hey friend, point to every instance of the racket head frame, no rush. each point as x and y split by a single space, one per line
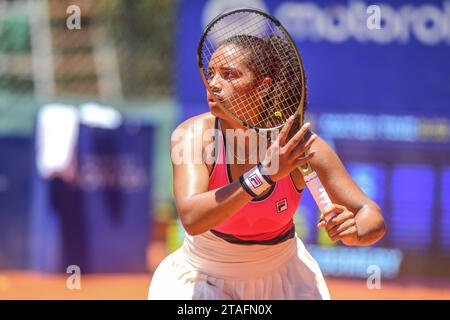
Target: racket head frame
299 111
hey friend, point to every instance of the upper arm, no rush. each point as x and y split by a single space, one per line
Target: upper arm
338 183
190 173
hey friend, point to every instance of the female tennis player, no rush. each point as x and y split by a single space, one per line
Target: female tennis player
238 215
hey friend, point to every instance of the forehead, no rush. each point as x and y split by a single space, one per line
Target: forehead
229 55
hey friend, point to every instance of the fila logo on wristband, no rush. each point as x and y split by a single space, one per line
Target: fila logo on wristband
254 182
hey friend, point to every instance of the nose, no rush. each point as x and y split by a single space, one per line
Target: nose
215 84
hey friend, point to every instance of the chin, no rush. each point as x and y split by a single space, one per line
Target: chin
217 112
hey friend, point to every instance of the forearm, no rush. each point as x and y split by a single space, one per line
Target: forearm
370 225
201 212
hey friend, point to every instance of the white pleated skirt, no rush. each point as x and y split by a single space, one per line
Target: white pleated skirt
207 267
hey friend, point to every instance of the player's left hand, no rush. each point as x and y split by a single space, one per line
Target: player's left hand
342 226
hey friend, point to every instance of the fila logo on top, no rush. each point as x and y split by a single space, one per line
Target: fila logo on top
281 205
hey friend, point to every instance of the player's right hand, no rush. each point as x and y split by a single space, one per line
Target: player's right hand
284 155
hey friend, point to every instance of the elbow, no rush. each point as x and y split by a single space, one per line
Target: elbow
376 235
373 236
381 230
190 224
381 226
373 227
191 229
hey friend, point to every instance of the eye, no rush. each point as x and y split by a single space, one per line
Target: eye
226 75
229 75
210 75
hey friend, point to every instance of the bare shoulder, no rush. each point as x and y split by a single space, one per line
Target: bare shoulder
197 124
190 138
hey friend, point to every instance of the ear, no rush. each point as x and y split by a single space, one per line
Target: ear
263 88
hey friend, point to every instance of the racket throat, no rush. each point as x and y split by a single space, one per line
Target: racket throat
306 169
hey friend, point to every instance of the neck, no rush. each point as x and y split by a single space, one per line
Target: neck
241 148
229 124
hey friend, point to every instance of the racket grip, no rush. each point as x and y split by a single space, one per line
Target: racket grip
319 193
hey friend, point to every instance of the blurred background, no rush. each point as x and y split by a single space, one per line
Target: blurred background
90 92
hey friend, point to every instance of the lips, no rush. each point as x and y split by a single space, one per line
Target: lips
212 101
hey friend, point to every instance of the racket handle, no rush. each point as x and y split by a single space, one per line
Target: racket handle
318 192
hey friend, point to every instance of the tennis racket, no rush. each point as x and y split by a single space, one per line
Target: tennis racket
272 57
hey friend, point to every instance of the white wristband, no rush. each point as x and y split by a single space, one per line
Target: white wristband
254 182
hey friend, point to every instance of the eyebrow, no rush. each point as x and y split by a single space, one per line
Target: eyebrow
227 69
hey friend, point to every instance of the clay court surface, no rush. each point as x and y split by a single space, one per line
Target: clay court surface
26 285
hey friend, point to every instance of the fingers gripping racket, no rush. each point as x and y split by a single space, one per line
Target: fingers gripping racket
252 39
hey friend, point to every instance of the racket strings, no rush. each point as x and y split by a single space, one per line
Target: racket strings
248 114
272 56
265 66
288 86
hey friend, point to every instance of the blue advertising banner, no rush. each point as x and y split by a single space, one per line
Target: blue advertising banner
15 172
402 68
100 221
